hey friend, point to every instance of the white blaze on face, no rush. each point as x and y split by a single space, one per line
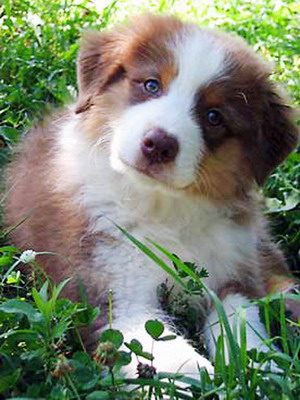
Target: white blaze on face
199 59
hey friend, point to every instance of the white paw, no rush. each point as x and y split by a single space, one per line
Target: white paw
171 356
175 356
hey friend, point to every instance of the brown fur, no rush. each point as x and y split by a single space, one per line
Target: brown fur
103 56
223 174
257 119
54 223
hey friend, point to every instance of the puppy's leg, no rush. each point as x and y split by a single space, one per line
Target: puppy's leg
169 356
256 333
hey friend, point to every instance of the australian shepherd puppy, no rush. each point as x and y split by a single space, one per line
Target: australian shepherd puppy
174 128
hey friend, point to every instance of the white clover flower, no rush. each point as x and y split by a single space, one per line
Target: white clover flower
27 256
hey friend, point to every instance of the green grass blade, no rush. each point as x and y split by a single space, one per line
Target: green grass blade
146 250
179 263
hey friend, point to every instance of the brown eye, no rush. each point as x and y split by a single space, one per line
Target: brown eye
152 86
214 117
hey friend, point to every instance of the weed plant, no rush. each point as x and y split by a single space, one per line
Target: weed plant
42 354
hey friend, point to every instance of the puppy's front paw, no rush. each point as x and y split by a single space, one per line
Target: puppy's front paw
175 356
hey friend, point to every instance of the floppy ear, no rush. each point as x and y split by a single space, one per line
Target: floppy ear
278 135
98 65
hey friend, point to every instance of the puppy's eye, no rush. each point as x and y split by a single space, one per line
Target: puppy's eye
152 86
214 117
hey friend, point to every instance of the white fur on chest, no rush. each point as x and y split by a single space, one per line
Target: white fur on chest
193 229
215 244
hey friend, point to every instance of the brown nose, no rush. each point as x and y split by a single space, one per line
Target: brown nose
159 147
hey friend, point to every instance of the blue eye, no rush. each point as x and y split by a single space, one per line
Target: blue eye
152 86
214 117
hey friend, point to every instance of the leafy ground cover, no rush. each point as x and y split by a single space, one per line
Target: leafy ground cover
41 354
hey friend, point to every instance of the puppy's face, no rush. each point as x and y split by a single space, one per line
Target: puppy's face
187 108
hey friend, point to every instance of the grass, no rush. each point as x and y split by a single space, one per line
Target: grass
41 353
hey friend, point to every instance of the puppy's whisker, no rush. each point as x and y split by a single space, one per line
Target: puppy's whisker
202 181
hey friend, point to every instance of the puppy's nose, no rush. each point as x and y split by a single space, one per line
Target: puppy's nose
159 147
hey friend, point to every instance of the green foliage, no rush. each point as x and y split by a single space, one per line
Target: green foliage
42 354
137 348
155 329
39 43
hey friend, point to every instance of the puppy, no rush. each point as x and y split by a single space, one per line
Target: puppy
173 129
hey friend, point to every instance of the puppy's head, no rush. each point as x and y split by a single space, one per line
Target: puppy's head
183 107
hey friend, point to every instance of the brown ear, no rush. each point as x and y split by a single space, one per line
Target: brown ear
98 65
278 135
